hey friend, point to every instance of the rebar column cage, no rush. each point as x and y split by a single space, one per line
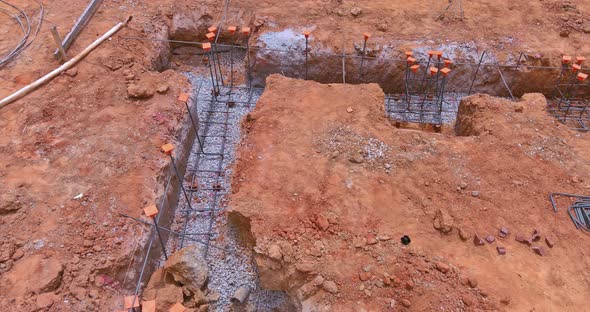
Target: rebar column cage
570 97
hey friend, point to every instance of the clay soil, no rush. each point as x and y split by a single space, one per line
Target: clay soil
327 186
82 133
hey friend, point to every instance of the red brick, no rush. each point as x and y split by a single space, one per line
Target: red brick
501 250
477 240
549 242
490 239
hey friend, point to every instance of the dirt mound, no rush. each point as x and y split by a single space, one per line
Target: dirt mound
328 186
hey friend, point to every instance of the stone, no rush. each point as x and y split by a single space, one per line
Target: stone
503 232
463 185
467 301
18 254
213 296
305 267
357 158
162 89
548 241
45 300
139 91
536 236
475 193
463 235
72 72
442 267
519 108
188 267
490 239
9 203
409 285
364 276
356 11
318 280
564 33
472 282
78 292
330 287
349 110
501 250
34 274
382 27
539 250
371 239
406 303
190 25
274 252
477 240
443 221
322 223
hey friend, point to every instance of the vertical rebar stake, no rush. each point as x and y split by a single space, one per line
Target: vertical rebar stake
160 237
366 37
306 34
476 71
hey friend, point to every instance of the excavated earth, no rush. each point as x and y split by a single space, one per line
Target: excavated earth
96 131
325 186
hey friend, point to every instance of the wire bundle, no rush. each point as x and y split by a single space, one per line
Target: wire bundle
24 22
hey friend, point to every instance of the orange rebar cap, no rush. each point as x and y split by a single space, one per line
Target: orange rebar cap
183 97
566 59
366 36
411 60
580 59
210 36
206 46
148 306
212 29
409 53
438 54
167 148
246 30
177 307
448 63
150 210
414 68
445 71
582 76
433 70
431 53
576 67
306 33
131 302
232 29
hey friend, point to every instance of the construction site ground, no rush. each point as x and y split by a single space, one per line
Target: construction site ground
83 148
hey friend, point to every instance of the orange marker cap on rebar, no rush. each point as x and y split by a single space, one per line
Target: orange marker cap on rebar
212 29
438 54
576 67
582 76
131 302
431 53
414 68
183 97
445 71
246 30
448 63
210 36
411 60
433 70
177 307
148 306
409 53
167 148
566 59
206 46
150 210
232 29
306 33
366 36
580 59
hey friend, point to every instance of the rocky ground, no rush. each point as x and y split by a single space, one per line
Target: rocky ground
327 187
96 130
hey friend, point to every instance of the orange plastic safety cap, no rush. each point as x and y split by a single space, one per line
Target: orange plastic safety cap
150 210
580 59
448 62
177 307
366 36
131 302
414 68
431 53
210 36
409 53
411 60
183 97
232 29
438 53
433 70
566 59
148 306
582 76
206 46
246 30
212 29
445 71
167 148
306 33
576 67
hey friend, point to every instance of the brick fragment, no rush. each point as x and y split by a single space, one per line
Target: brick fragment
501 250
549 242
477 240
539 250
490 239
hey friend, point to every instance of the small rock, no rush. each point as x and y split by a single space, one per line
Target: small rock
139 91
505 300
349 110
357 158
463 235
382 27
519 108
501 250
188 267
356 11
490 239
409 285
364 276
318 280
383 238
467 301
78 292
45 300
463 185
162 89
213 296
322 222
472 282
539 250
443 221
475 193
564 33
305 267
359 242
335 154
18 254
371 239
330 287
503 232
442 267
536 236
72 72
93 294
406 303
477 240
274 252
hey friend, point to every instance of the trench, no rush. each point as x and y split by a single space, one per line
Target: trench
231 265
